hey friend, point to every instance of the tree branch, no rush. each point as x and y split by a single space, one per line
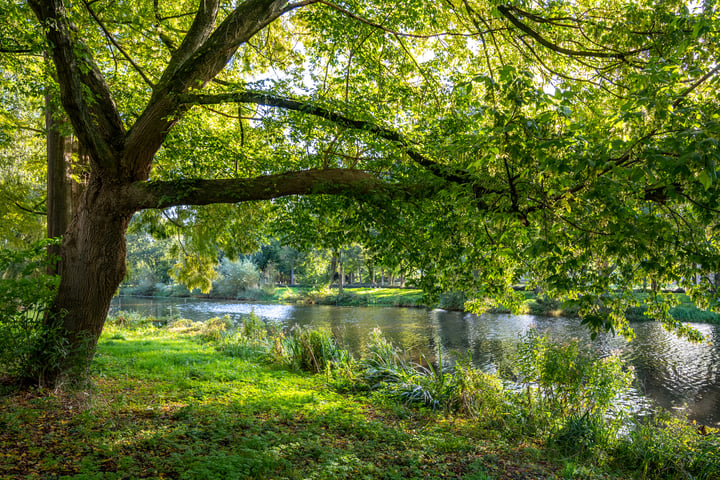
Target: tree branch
260 98
505 11
163 194
112 40
695 85
199 32
201 58
32 209
96 122
354 16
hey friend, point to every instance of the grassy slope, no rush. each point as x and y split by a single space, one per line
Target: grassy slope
165 406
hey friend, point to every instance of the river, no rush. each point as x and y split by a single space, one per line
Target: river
671 372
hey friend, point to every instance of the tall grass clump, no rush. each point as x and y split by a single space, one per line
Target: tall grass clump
310 350
383 363
429 384
478 394
666 447
133 321
249 339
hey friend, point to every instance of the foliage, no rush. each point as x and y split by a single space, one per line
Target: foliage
667 447
132 321
478 394
250 339
566 380
169 403
581 435
382 362
235 277
476 142
31 341
453 300
312 351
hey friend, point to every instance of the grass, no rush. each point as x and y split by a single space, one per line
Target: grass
384 297
166 405
180 402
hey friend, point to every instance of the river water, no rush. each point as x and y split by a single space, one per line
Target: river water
671 372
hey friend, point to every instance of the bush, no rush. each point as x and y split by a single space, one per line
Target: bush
31 341
569 380
215 328
452 301
477 394
234 277
580 435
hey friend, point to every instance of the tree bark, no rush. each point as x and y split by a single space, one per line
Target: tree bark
341 280
93 266
59 201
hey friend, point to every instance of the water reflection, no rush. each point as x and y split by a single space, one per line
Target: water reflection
671 371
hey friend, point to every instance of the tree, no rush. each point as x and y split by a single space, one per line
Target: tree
480 143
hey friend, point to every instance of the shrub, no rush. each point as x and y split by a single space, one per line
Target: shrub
215 328
580 435
31 342
453 300
476 393
570 380
235 277
253 328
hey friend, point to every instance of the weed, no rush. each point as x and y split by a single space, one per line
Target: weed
668 447
215 328
312 350
580 435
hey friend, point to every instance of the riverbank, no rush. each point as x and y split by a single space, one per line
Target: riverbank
194 400
533 304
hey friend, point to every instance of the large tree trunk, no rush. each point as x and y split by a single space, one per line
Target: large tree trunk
92 267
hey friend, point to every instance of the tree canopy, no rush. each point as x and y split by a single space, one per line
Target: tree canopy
571 144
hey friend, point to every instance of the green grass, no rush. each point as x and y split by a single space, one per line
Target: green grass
384 297
176 402
165 405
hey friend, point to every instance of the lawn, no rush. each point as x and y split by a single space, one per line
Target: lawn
165 405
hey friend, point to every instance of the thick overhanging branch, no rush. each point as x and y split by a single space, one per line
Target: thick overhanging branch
164 194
